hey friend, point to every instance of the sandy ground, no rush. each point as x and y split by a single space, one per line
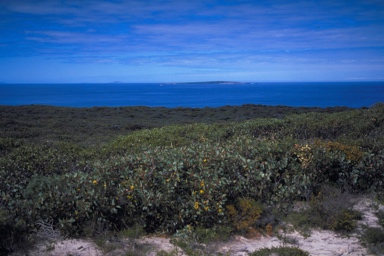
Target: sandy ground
320 242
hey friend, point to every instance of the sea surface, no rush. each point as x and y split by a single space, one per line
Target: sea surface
196 95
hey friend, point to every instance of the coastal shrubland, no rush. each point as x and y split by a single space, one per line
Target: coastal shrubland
82 175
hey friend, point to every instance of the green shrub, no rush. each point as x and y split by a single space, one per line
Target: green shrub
200 240
281 251
373 238
218 233
334 210
302 221
345 221
133 232
330 209
373 235
380 217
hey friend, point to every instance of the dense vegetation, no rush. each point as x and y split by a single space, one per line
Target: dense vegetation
98 125
86 170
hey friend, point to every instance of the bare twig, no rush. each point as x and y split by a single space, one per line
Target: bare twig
46 230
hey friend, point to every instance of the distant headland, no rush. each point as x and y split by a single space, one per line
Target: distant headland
213 82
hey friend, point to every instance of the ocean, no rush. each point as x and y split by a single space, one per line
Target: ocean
195 95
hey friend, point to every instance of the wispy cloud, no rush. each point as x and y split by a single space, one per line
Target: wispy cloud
62 37
195 34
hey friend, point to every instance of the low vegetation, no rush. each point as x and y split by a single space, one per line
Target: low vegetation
373 237
328 209
89 171
281 251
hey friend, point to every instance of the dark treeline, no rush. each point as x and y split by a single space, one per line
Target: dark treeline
90 126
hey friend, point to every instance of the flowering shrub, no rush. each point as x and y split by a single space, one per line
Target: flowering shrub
244 214
304 155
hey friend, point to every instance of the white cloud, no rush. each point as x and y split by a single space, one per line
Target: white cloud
63 37
196 35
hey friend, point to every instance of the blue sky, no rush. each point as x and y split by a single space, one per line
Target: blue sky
56 41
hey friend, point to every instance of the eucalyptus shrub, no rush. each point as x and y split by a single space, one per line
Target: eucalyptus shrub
167 188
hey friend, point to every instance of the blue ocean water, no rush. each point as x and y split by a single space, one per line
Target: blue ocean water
199 95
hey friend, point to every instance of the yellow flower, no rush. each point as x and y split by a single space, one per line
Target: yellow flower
129 197
206 208
105 185
167 180
196 206
201 191
94 182
205 160
132 187
202 184
220 210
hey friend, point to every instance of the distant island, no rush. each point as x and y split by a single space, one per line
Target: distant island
213 82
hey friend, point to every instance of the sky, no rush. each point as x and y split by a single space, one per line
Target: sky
138 41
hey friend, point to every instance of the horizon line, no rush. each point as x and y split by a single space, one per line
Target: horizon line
198 82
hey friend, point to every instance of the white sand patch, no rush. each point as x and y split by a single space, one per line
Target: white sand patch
368 208
74 247
160 243
319 242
